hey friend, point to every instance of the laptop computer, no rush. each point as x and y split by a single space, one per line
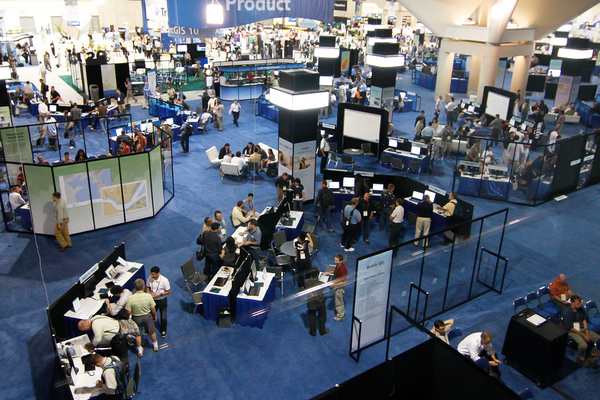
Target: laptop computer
416 196
220 282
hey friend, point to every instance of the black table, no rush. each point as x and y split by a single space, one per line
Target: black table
537 352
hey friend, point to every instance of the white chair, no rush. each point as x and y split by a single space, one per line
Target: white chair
231 169
213 156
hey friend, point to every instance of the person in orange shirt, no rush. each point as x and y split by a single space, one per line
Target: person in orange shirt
560 291
140 141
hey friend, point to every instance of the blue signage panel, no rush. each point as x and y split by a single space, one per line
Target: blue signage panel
189 15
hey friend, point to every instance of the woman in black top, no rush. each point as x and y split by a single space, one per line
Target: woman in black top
228 255
303 263
80 156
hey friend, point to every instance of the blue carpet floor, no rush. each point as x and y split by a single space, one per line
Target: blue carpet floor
281 361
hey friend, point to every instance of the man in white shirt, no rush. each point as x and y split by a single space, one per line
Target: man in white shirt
324 151
397 219
450 112
117 310
523 149
205 117
16 200
235 110
237 215
49 130
159 287
228 157
42 110
478 345
240 162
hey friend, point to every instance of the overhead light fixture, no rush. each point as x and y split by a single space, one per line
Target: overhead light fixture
558 41
215 13
327 52
576 54
375 60
298 101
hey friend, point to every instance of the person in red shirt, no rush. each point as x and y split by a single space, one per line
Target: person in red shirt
339 287
125 147
560 291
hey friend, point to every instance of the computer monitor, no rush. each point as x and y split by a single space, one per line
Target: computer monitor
52 108
417 195
471 109
348 182
181 48
528 124
253 272
555 73
497 170
416 150
393 143
169 121
430 194
89 286
378 187
333 185
72 366
325 80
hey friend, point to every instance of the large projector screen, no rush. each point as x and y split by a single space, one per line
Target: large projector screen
362 125
497 104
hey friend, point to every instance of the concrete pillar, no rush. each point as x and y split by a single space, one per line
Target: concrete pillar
444 73
474 73
489 70
520 74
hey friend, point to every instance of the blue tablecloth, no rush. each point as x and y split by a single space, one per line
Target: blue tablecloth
25 214
438 221
71 329
424 162
483 188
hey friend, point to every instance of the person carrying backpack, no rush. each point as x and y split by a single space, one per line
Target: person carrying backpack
115 375
187 130
324 203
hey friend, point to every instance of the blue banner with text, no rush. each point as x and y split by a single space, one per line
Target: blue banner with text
187 16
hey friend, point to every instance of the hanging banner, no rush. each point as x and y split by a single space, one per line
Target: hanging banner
188 16
304 166
345 64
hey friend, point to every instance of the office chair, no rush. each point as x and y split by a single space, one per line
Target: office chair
412 218
316 239
547 305
454 333
278 271
397 163
532 297
132 386
347 160
332 157
595 319
414 165
519 302
196 298
190 275
333 147
253 167
386 158
306 228
366 148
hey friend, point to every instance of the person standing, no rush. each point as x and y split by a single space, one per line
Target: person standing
147 93
302 244
142 308
351 227
367 209
397 219
159 287
212 249
282 183
75 114
120 102
424 211
235 110
324 151
102 117
447 136
252 240
479 345
315 302
186 131
325 200
219 109
61 219
448 211
339 287
387 203
298 195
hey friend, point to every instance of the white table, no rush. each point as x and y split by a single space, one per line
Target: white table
84 386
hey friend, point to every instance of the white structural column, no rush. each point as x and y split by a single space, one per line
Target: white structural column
444 71
520 73
489 69
474 74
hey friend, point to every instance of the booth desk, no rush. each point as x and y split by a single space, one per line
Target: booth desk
484 186
251 310
238 84
407 156
162 109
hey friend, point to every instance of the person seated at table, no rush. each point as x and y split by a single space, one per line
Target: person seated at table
227 157
561 292
229 253
263 154
171 93
248 205
474 152
576 319
488 156
41 161
240 162
479 345
125 148
249 149
224 150
67 158
237 215
255 157
481 122
16 200
270 158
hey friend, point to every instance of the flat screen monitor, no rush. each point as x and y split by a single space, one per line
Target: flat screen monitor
169 121
200 47
554 73
119 131
52 108
393 143
333 185
430 194
181 48
417 195
378 187
416 150
529 124
253 272
326 81
348 182
471 109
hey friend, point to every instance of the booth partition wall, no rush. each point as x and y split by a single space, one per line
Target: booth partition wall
99 192
526 173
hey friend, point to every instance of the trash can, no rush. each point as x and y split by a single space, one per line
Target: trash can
94 93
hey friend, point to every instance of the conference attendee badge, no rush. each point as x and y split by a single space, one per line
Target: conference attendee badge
302 256
576 326
365 213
